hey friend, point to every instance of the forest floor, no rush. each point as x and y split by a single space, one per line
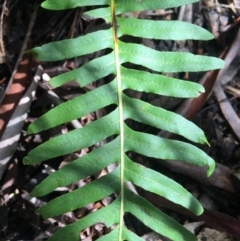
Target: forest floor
217 111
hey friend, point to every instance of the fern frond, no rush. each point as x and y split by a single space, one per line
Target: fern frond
114 125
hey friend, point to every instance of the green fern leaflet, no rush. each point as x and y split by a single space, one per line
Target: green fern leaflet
114 124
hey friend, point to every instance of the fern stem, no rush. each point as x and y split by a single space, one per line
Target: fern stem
121 122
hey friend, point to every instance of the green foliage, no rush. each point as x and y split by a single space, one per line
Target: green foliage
113 124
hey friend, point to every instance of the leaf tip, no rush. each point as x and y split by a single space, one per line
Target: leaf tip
30 130
209 36
27 52
33 52
199 210
204 140
34 193
27 160
45 4
221 63
39 210
211 168
200 91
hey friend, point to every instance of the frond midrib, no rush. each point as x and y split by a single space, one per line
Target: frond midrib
121 117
